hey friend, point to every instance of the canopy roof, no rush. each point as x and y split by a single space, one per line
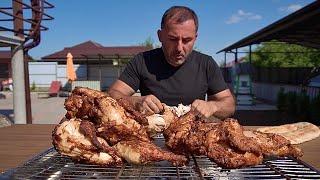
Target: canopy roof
301 27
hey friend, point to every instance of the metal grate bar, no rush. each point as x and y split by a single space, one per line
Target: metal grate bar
52 165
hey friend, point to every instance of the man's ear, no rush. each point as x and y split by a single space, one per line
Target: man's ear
159 35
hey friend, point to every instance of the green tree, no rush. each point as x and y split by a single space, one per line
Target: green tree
291 58
148 43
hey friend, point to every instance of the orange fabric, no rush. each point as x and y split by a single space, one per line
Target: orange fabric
71 74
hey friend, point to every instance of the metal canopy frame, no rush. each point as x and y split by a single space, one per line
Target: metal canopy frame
301 27
21 41
8 41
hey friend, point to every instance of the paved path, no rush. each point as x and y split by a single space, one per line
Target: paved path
44 110
51 110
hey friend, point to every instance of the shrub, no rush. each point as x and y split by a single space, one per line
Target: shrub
33 86
291 103
303 106
315 110
281 100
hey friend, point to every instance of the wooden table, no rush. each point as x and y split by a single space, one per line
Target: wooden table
19 143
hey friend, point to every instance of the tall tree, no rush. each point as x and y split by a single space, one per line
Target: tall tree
148 43
265 55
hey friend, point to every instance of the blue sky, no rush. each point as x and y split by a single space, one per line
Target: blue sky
130 22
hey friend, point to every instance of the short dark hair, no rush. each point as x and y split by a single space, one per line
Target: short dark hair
179 14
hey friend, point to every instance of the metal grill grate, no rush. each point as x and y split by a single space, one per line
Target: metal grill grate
51 165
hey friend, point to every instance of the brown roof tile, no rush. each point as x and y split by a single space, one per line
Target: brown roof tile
93 49
5 54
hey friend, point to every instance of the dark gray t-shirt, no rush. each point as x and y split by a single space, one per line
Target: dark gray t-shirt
152 74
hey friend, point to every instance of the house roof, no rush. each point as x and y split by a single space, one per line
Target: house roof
93 50
301 27
5 54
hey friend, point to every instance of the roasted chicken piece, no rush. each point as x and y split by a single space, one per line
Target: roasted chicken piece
178 131
273 144
119 124
135 147
101 110
115 133
69 140
91 93
225 142
210 139
140 152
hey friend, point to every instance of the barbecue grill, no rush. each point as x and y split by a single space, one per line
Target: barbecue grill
51 165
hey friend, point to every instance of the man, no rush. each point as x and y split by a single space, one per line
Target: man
175 73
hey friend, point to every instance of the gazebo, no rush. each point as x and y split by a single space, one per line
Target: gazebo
301 27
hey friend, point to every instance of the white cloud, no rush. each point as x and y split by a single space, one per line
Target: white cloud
241 16
291 8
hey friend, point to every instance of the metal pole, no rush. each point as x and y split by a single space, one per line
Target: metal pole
18 27
225 59
87 68
236 56
118 66
100 71
19 96
250 54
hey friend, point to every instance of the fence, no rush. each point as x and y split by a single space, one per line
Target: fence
268 81
41 74
293 76
269 91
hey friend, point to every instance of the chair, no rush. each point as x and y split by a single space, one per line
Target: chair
53 90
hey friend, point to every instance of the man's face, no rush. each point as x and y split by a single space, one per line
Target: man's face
177 41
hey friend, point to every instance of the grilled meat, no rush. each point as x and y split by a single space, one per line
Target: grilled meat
226 142
116 123
273 144
105 131
69 140
140 152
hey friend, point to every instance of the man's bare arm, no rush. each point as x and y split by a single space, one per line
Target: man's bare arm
146 104
221 105
119 89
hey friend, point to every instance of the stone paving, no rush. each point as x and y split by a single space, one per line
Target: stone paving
4 121
51 110
44 110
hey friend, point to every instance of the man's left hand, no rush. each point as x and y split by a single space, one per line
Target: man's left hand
204 108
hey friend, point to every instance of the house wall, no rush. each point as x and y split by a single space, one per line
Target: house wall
5 69
43 73
109 74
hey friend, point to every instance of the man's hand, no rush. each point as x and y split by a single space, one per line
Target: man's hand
220 105
204 108
148 104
